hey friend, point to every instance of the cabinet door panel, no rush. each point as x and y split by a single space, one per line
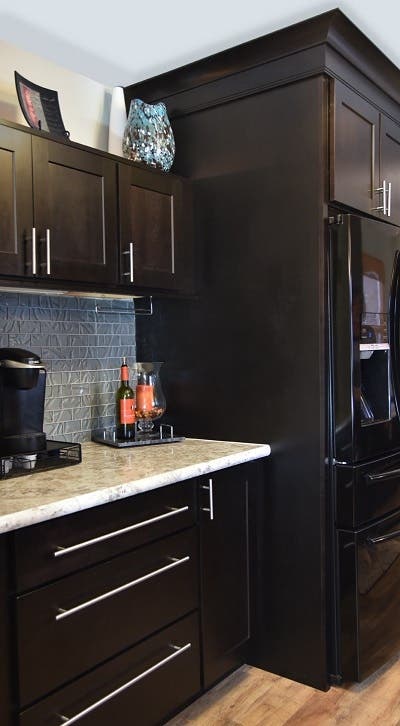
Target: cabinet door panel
16 212
354 152
153 218
390 164
75 199
225 571
5 636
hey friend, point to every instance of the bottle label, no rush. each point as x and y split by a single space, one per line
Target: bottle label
127 411
124 373
144 397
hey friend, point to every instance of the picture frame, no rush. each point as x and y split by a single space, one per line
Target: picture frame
40 107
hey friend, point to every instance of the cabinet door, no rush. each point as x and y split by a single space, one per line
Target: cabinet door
75 200
16 212
354 166
153 231
5 636
390 166
225 571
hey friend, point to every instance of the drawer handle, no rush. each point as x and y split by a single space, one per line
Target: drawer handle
60 551
61 613
178 650
382 538
382 476
209 489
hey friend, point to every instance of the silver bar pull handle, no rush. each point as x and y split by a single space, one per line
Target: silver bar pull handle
384 192
209 489
48 252
34 262
46 263
62 614
389 202
130 253
384 197
383 538
178 650
61 551
391 474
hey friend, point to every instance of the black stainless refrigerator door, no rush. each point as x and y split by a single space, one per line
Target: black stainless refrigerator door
369 597
364 288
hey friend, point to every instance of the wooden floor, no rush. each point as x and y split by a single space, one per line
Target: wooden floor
251 697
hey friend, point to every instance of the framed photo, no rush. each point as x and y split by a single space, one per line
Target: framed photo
40 107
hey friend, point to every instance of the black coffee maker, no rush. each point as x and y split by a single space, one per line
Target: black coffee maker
22 390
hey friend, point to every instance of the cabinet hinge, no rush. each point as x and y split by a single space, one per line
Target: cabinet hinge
339 219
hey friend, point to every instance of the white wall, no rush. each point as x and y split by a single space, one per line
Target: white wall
84 103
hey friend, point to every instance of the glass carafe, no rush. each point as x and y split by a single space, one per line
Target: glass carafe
150 399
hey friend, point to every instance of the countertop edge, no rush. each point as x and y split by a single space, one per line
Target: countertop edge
46 512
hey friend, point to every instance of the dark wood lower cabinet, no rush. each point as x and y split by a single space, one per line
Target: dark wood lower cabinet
5 637
142 686
224 571
83 619
112 636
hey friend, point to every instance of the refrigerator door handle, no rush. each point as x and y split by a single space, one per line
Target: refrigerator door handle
394 330
372 478
382 538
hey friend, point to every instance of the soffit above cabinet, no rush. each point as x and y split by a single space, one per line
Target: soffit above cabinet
320 44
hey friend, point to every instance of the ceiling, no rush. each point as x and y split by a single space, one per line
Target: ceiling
122 42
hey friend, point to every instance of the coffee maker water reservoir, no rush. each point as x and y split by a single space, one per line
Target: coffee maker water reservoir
22 391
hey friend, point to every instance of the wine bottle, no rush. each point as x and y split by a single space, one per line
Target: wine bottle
125 406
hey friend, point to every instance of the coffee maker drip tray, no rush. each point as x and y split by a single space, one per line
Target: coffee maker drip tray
162 434
55 455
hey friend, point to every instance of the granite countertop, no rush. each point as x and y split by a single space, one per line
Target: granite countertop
107 474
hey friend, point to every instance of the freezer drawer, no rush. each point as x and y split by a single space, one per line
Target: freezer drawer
369 597
367 492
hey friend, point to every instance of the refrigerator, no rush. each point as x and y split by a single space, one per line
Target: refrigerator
364 444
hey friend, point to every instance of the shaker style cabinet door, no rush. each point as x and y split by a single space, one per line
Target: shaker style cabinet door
354 145
16 212
75 213
225 570
390 167
6 695
155 244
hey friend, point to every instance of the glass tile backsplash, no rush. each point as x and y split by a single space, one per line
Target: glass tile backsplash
82 351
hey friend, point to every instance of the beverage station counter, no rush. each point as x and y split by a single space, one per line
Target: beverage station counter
107 474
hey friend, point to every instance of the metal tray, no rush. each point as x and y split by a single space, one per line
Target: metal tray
164 434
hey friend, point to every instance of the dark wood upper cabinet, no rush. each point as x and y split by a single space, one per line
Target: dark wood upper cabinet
59 219
354 169
390 166
16 212
155 245
75 210
224 570
365 156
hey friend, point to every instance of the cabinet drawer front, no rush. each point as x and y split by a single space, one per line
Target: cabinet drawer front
149 682
47 551
83 619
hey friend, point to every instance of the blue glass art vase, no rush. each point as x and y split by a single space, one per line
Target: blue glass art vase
148 135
